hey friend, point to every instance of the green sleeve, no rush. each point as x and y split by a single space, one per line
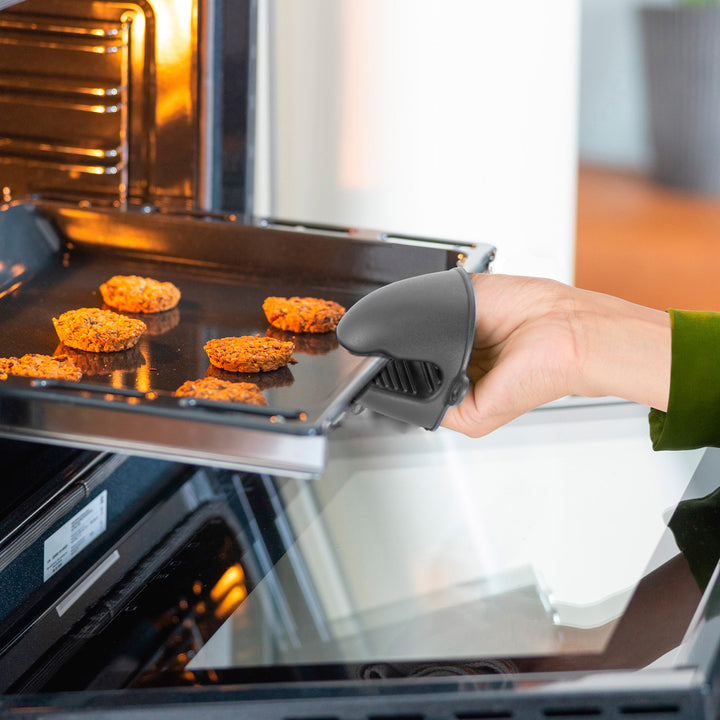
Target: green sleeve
692 419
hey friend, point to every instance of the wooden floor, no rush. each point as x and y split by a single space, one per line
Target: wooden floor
648 244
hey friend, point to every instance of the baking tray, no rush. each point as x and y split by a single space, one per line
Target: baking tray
54 257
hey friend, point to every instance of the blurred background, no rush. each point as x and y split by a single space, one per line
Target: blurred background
648 217
537 127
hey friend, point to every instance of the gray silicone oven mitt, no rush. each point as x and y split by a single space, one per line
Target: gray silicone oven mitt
424 326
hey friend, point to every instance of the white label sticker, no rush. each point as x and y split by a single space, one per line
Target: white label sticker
75 535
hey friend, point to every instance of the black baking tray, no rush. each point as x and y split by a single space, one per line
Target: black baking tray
54 257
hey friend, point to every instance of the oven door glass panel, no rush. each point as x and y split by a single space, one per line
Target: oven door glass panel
536 548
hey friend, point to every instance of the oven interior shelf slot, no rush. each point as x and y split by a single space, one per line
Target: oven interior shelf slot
71 44
88 158
21 82
59 103
23 145
54 25
73 168
74 35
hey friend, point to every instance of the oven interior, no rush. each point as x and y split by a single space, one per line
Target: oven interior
117 103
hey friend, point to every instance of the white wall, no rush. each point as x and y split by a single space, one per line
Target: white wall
454 119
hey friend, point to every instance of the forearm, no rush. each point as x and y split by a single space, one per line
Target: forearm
626 349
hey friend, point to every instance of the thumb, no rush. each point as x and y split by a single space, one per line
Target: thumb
483 409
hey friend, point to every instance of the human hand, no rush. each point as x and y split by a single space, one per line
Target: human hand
537 340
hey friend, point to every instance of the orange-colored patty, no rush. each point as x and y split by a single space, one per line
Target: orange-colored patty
59 367
303 314
210 388
135 294
98 330
249 353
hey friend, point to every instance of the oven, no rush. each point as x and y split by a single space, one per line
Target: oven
307 558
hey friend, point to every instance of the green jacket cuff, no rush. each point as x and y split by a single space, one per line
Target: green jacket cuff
692 419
